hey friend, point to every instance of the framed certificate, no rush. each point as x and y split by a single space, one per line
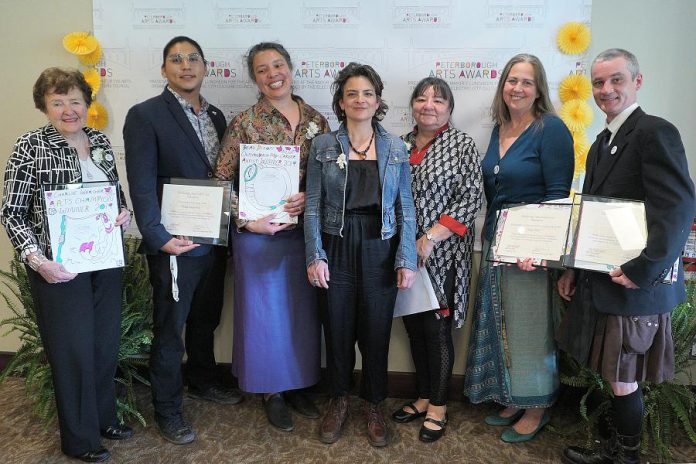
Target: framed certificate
268 175
606 232
535 230
198 209
80 221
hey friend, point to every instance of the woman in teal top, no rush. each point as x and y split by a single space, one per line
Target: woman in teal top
512 355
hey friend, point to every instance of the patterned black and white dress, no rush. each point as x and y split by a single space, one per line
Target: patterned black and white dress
447 188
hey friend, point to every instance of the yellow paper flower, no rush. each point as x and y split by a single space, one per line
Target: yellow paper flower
575 87
576 114
80 43
97 116
573 38
93 58
93 79
581 147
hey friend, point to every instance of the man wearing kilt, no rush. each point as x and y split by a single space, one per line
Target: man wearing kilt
619 324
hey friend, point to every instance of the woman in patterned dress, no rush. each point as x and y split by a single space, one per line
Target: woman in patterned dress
512 354
446 184
276 344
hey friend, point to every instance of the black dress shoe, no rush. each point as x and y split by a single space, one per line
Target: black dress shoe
99 455
117 432
577 455
219 394
175 429
402 416
429 435
277 412
302 403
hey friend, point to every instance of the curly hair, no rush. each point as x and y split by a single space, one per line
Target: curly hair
357 70
59 81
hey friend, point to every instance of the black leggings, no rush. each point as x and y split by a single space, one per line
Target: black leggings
432 350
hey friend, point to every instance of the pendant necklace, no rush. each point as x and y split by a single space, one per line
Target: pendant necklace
86 171
362 154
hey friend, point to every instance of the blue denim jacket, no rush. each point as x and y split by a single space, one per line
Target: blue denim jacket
325 197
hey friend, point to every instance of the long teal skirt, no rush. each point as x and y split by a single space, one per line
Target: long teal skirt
512 353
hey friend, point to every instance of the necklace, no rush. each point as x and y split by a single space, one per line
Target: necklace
363 153
86 168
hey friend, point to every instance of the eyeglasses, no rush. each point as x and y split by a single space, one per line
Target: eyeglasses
192 58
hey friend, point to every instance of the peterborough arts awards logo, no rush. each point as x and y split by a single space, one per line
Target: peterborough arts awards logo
158 17
330 16
467 73
242 17
114 68
513 14
416 16
317 73
224 69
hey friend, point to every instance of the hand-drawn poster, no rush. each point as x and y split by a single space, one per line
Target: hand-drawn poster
81 227
269 174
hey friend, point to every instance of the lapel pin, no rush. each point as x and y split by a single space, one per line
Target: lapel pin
613 150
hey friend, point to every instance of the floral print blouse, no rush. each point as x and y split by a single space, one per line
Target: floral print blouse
263 124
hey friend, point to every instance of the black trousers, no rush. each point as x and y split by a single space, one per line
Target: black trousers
80 326
432 348
201 286
359 305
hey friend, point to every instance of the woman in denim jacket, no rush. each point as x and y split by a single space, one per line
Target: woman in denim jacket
360 232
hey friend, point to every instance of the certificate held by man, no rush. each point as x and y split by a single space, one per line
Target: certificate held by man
198 209
609 232
268 175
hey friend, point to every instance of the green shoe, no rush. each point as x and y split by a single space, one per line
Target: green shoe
495 419
510 435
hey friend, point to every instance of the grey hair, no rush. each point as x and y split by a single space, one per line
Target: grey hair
613 53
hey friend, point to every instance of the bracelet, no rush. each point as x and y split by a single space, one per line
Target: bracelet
430 237
36 260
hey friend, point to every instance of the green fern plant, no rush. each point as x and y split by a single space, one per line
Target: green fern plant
670 407
30 360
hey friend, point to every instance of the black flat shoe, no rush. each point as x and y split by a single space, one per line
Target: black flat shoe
402 416
117 432
100 455
277 412
429 435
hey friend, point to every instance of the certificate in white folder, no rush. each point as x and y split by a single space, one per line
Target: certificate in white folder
417 299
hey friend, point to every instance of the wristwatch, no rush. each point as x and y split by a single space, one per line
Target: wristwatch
35 260
430 237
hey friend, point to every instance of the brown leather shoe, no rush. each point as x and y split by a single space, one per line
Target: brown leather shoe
376 427
336 415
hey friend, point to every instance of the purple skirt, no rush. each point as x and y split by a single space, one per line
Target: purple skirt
276 344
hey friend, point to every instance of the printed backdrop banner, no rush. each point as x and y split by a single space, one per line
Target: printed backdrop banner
466 42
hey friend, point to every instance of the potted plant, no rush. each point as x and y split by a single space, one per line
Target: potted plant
30 361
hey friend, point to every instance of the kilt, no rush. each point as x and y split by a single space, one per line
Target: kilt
633 348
